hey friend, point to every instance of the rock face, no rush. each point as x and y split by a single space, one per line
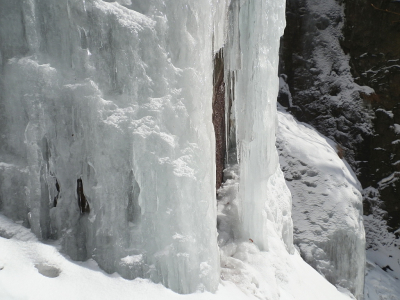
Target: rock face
218 117
340 72
318 75
372 40
341 64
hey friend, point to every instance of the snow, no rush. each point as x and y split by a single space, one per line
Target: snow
273 274
30 269
396 128
388 112
327 204
33 270
383 252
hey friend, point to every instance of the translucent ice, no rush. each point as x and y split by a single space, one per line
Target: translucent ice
106 141
251 68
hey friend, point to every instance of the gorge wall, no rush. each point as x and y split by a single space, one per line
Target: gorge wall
340 62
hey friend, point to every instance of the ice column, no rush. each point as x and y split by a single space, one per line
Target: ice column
106 138
251 68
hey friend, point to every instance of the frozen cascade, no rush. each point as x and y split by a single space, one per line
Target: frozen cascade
110 103
106 139
251 65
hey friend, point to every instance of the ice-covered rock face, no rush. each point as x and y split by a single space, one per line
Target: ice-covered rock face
327 204
106 134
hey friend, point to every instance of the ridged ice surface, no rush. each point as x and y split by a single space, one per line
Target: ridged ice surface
251 68
327 204
106 136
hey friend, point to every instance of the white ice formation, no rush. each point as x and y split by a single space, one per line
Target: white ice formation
251 63
106 135
327 204
111 104
107 145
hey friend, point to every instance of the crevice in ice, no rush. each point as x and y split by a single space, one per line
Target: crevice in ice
84 43
58 193
82 202
231 155
133 209
218 116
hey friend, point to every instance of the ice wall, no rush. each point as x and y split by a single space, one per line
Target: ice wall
251 68
106 137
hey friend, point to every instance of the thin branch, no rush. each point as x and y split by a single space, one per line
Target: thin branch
385 10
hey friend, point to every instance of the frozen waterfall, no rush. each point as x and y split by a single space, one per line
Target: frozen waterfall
251 64
110 103
106 140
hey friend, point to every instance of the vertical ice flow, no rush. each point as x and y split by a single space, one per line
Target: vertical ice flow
251 68
106 138
108 106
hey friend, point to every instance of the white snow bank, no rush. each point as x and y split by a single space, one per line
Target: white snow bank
327 204
31 270
382 278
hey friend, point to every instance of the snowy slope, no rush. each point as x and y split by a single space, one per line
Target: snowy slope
327 204
382 278
32 270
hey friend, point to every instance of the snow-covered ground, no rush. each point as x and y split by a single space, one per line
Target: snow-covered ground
326 199
32 270
382 274
327 203
382 277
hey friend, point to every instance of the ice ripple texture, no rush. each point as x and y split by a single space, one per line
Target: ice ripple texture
108 102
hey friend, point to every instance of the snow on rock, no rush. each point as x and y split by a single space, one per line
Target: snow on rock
383 252
322 87
327 204
105 138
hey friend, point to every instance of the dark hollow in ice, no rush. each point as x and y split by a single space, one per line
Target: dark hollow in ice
387 268
58 192
82 202
218 116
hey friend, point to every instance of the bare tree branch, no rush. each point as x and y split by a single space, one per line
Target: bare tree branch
385 10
